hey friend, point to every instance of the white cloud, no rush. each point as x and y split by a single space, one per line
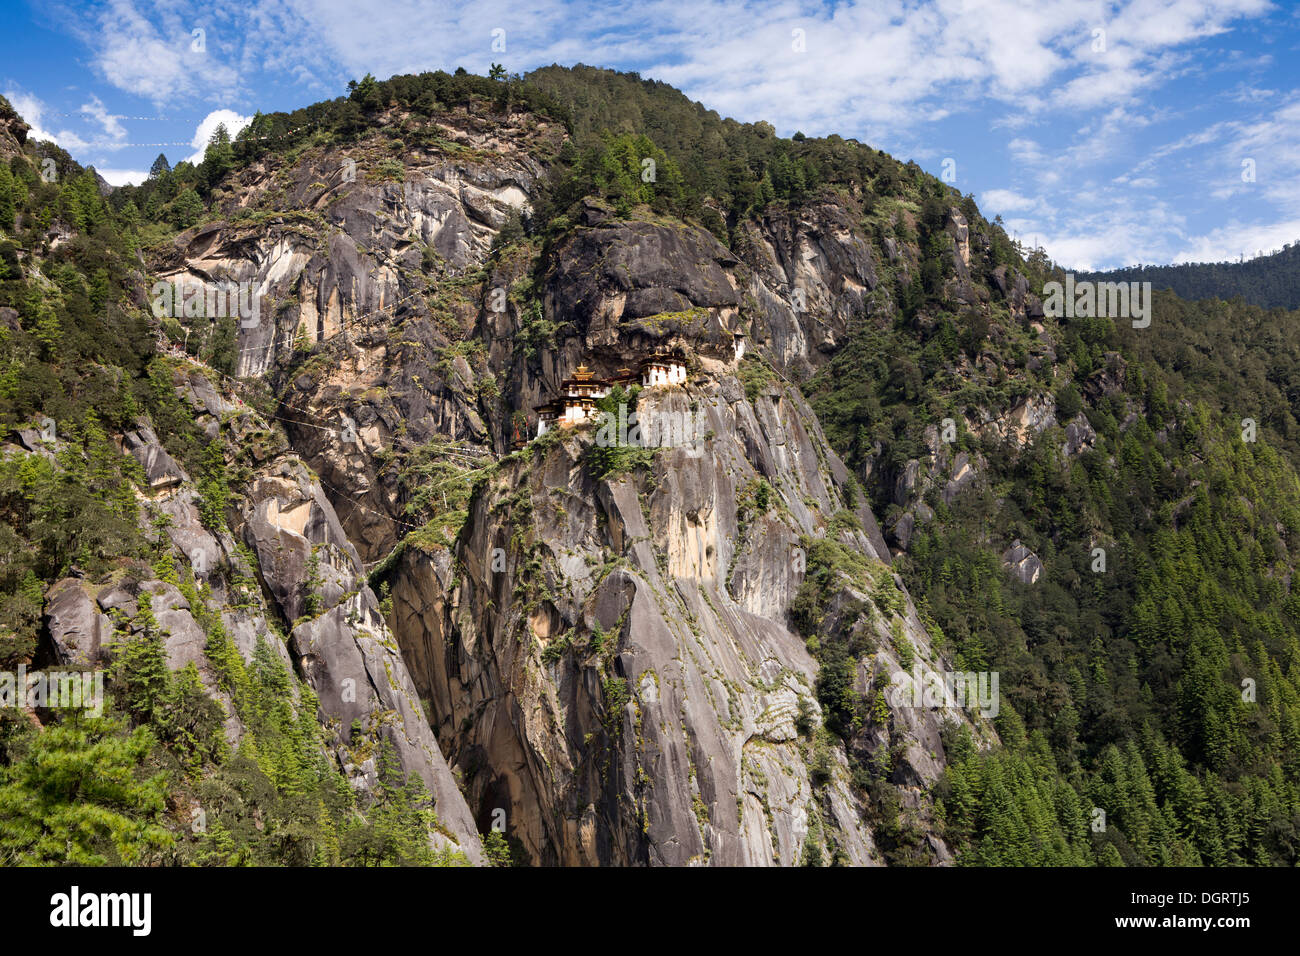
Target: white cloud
123 177
1252 94
883 71
96 111
34 113
32 110
1004 201
866 63
233 121
1235 240
151 49
1026 152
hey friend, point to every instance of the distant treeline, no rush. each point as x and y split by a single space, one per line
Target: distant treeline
1271 281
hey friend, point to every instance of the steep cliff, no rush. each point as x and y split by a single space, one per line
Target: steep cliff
220 599
610 659
13 131
364 263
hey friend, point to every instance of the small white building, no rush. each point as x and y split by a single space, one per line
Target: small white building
577 411
547 416
663 370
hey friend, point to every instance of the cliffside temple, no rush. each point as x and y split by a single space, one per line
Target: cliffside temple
579 393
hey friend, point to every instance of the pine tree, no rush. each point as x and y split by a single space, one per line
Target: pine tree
7 199
186 208
218 158
497 850
79 797
139 670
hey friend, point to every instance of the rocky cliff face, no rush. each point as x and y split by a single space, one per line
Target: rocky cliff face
612 661
608 660
13 131
285 561
370 264
811 271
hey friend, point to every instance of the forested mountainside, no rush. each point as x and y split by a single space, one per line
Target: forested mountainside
1271 281
349 610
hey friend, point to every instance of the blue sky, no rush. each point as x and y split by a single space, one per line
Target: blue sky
1109 132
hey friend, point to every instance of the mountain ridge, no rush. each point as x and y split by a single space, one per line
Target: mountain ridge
1269 281
632 655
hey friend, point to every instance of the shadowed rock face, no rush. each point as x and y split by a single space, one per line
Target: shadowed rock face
79 631
160 470
1023 564
292 522
13 132
812 272
343 648
299 567
623 286
352 663
627 687
377 274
